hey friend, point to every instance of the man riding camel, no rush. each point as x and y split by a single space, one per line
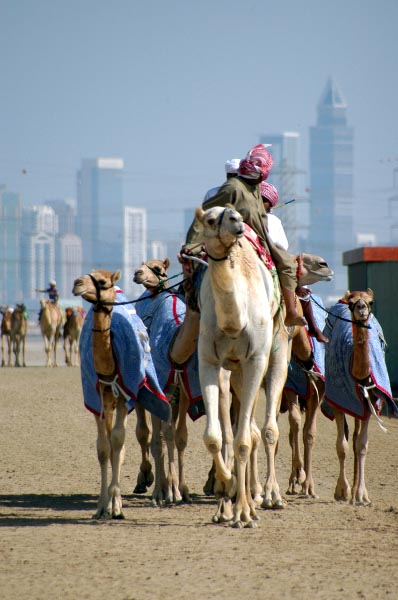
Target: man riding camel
243 192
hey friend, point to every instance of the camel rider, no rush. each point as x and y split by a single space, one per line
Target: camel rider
243 191
231 170
270 197
52 292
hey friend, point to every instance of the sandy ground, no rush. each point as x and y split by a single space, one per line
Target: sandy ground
51 548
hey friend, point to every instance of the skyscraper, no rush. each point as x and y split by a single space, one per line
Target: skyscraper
10 254
331 183
40 227
135 248
100 212
284 176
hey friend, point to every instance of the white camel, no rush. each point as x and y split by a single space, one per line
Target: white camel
51 329
238 302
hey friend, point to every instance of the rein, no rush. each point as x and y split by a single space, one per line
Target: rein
358 323
103 303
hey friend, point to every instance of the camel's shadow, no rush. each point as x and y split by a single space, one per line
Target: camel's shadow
21 510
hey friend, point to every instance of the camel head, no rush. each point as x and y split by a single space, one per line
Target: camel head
360 304
313 268
221 226
97 286
152 274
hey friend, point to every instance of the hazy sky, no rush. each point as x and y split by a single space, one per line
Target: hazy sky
176 87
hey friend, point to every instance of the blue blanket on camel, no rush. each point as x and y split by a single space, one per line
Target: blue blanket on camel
341 389
163 314
297 380
134 363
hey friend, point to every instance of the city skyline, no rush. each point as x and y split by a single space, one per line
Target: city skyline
171 98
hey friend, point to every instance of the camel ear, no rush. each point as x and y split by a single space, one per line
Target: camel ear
199 212
346 296
166 263
370 293
116 276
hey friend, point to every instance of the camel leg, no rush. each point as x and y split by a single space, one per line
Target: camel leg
273 387
23 352
181 440
9 352
143 432
55 351
309 436
256 489
360 442
104 424
158 450
67 358
217 487
244 510
48 344
342 490
212 436
172 492
297 475
227 433
118 436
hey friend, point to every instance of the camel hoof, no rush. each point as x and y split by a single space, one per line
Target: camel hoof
237 525
140 488
119 517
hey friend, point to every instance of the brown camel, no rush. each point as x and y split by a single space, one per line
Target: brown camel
72 330
51 329
303 392
6 347
19 330
369 389
152 274
98 288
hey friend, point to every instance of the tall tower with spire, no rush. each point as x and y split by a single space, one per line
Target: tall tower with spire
331 186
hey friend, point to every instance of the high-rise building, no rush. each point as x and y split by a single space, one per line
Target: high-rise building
100 212
135 248
68 263
331 186
285 176
10 254
39 230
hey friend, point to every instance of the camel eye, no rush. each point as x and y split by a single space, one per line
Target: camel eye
211 221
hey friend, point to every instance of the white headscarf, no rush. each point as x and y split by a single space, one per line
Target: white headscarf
232 166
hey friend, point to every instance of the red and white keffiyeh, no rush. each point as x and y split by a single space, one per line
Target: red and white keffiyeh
257 164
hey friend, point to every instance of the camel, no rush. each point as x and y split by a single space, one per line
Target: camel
72 330
303 392
238 303
51 329
19 330
6 348
171 328
357 384
310 269
117 375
